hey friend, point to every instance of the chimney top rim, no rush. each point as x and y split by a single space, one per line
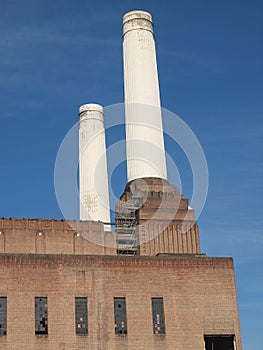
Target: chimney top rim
137 14
90 107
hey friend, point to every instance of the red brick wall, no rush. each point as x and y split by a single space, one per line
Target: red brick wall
165 222
168 238
57 237
199 298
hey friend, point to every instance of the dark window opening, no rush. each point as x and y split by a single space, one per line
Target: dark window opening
120 316
41 317
81 313
126 252
219 342
158 316
3 315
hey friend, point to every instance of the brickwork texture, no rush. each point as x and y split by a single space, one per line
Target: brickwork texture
198 292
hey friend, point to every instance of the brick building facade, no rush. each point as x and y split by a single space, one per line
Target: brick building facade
60 290
198 296
67 285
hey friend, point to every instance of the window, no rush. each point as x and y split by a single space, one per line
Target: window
41 316
120 316
158 316
219 342
81 314
2 241
3 316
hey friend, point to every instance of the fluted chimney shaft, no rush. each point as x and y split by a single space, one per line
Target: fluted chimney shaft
144 132
93 175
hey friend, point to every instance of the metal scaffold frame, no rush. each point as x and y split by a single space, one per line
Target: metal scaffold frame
126 226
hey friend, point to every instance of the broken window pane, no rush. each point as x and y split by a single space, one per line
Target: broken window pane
41 317
158 316
219 342
3 316
120 316
81 313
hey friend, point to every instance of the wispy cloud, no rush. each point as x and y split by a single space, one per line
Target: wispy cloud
30 51
39 35
33 35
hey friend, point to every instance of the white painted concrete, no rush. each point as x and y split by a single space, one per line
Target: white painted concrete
144 132
93 174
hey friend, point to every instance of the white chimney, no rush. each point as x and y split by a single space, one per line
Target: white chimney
93 174
144 132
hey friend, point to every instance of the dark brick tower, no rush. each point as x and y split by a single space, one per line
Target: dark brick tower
152 217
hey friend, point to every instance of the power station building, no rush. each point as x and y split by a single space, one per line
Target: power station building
68 285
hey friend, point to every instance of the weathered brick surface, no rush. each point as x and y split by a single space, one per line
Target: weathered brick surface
168 238
199 298
62 260
57 237
165 222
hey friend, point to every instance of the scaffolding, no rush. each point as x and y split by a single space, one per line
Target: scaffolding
126 225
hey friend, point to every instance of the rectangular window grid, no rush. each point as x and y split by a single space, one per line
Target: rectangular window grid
41 315
120 316
81 313
158 316
3 315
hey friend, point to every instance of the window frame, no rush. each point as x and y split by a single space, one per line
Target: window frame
41 312
120 316
3 316
158 312
84 314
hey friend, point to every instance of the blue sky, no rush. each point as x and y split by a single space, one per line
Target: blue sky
58 55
